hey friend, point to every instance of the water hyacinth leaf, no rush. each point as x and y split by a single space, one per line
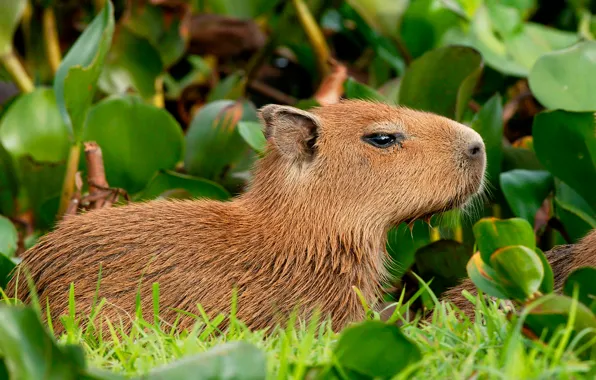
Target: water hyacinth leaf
402 245
11 14
483 277
525 191
165 181
30 353
492 234
213 142
75 82
252 133
574 162
132 62
564 79
488 122
548 280
231 87
519 269
9 184
9 237
130 132
6 267
551 312
569 200
442 81
231 360
583 278
383 15
356 90
375 349
46 136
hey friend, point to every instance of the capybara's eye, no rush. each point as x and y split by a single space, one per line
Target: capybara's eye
384 140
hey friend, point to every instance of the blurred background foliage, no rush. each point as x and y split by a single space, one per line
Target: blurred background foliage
169 90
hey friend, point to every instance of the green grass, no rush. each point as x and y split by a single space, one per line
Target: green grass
452 347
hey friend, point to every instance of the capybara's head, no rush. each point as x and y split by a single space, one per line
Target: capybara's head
361 158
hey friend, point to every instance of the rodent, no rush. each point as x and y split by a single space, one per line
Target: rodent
311 225
563 259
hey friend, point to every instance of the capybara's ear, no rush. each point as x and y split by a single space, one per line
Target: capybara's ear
293 131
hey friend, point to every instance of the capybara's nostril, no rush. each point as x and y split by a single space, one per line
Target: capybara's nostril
475 150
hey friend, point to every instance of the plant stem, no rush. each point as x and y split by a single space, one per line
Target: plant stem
69 178
50 36
17 72
315 36
158 98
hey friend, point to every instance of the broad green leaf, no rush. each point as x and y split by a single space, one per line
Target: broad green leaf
492 234
382 15
9 185
483 277
375 349
32 126
565 143
75 82
445 262
573 211
196 187
442 81
136 139
520 158
402 245
252 133
583 278
552 313
230 360
525 191
231 87
6 267
12 11
564 79
519 271
548 280
131 62
488 122
150 22
213 142
28 349
356 90
9 236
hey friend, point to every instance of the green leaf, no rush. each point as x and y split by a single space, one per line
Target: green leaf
195 187
252 133
75 82
231 360
548 280
564 79
525 191
442 81
492 234
231 87
136 139
375 349
11 14
356 90
9 236
29 352
488 122
573 211
402 245
444 261
519 271
213 142
583 278
382 15
552 313
6 267
483 277
573 161
131 62
9 183
32 126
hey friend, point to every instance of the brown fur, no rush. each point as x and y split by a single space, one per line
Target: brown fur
563 260
311 225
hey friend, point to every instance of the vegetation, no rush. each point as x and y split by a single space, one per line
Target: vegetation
163 94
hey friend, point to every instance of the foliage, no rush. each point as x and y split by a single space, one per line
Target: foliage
170 91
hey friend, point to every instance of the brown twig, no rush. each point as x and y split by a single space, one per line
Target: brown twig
96 175
273 93
75 201
512 105
332 87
